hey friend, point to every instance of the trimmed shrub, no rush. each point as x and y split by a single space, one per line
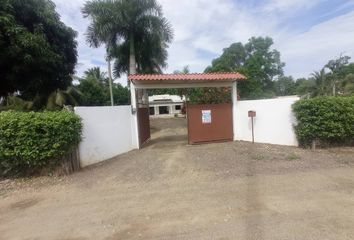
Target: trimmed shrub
328 120
31 141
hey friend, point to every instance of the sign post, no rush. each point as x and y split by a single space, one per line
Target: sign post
252 114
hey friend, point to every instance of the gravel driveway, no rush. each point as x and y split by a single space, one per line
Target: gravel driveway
169 190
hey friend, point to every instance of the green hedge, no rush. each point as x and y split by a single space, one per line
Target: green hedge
328 120
30 141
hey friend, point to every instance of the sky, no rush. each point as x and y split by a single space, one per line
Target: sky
307 33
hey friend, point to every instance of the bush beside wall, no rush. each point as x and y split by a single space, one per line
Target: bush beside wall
31 141
327 120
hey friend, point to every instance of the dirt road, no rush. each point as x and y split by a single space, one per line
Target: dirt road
169 190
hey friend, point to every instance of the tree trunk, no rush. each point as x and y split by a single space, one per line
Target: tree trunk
110 79
132 61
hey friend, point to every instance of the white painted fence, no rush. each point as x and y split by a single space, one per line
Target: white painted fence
273 122
107 132
110 131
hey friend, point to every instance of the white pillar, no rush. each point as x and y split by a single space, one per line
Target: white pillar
171 110
234 107
135 134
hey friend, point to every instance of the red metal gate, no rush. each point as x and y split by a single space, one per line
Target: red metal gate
143 124
143 116
209 122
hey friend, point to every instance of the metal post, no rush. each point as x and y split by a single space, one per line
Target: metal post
252 130
252 114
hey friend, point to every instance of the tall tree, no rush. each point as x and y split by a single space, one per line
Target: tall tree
304 87
347 86
95 73
335 78
337 74
59 98
38 51
185 70
320 83
95 92
135 29
257 60
121 94
94 87
285 86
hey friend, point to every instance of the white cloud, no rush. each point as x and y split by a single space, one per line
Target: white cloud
203 28
310 50
208 25
289 6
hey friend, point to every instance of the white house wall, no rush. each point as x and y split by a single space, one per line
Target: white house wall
172 109
107 132
273 122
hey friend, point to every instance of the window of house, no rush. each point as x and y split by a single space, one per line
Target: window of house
163 110
177 107
152 110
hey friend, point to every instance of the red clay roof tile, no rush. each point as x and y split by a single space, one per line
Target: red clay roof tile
190 76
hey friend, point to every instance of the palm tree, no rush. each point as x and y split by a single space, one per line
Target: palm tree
185 70
150 57
96 73
320 79
55 101
136 27
59 98
16 103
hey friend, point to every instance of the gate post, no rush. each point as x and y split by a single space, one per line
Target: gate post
134 109
234 107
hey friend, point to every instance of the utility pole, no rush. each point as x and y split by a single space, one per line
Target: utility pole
110 79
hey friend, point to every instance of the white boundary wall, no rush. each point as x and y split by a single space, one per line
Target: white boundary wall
273 122
107 132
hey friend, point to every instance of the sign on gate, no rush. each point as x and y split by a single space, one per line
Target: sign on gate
206 116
